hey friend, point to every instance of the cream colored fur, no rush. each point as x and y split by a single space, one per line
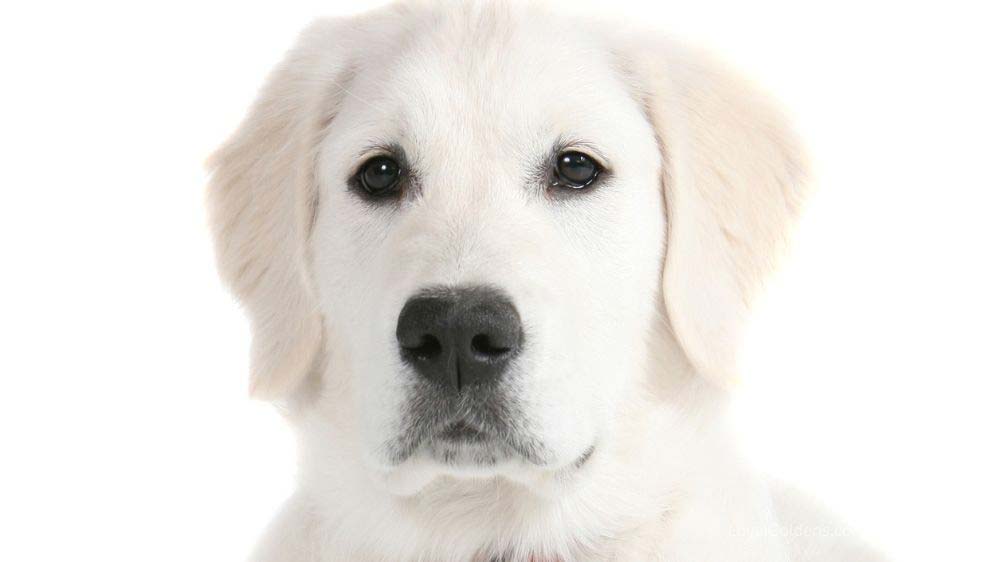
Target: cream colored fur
637 296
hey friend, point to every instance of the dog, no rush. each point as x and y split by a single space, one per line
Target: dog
497 259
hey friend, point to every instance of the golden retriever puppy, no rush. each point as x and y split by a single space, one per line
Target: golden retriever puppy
497 259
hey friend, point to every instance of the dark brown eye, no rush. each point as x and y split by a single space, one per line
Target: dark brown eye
576 170
380 175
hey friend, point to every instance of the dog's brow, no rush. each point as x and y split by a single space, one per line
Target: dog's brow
375 147
344 90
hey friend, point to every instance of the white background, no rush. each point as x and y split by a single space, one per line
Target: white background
123 415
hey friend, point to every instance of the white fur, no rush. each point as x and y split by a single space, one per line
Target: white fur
633 296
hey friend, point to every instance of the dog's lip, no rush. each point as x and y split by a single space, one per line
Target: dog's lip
461 431
583 458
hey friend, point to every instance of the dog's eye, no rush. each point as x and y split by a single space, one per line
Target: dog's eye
576 170
380 176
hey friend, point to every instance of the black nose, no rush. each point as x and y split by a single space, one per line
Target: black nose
459 337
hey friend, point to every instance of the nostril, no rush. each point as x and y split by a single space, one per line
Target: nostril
483 346
428 347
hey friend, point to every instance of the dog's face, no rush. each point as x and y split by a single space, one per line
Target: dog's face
487 250
462 231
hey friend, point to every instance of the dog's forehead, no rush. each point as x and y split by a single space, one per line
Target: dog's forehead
514 86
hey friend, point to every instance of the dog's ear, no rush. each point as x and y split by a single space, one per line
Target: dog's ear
734 178
261 198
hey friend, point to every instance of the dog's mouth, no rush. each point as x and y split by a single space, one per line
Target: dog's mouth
473 440
460 449
460 432
463 442
473 429
470 440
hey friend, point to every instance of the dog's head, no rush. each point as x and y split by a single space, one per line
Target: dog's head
466 236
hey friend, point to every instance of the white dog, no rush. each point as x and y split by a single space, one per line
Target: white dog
497 260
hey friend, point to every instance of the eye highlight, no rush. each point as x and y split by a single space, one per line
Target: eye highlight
380 176
576 170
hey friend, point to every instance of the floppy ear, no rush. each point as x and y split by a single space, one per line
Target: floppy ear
734 178
260 200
